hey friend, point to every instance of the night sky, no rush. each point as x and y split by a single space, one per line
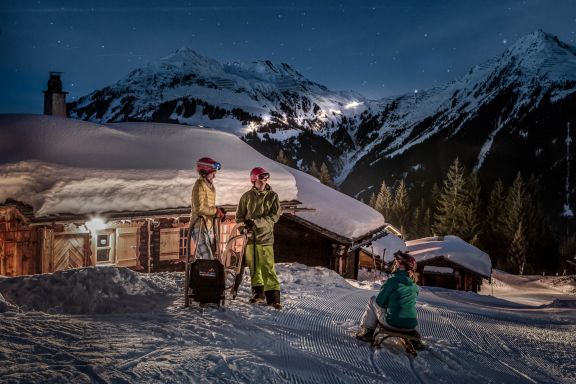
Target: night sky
378 48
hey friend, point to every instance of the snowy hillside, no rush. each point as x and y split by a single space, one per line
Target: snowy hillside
113 325
188 88
524 95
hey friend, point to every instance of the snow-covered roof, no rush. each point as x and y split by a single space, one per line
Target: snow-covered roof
452 248
386 245
67 166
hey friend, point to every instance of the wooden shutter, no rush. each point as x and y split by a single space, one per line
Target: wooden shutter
169 243
127 247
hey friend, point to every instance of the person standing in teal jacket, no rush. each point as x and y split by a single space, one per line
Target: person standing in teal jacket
395 304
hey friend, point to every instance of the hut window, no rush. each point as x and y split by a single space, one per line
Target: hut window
104 246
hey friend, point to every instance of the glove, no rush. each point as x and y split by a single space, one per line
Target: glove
220 213
249 223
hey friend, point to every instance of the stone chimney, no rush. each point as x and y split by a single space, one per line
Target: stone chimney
54 98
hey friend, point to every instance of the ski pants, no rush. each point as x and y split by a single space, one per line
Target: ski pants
374 314
262 272
204 247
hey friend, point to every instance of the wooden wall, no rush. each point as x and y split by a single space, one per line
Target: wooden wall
462 279
19 246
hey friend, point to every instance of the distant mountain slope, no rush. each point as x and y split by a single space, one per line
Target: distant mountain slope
509 114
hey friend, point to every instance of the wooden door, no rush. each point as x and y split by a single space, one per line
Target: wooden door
70 251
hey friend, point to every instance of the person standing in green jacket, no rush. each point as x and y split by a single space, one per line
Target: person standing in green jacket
259 209
395 305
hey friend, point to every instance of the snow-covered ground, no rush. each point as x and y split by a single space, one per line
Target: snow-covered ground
108 324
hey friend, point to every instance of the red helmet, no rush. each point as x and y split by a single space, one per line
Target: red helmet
406 260
206 165
258 173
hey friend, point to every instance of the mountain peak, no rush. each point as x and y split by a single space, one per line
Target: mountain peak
187 56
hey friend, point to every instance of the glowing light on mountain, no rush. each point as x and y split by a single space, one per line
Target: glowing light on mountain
353 104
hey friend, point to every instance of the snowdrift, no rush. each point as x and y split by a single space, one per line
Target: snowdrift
93 290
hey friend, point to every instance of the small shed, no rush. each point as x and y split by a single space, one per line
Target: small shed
376 254
120 195
449 262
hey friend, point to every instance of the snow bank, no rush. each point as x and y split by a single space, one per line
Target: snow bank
298 276
93 290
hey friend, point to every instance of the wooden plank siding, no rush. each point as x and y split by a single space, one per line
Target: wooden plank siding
18 244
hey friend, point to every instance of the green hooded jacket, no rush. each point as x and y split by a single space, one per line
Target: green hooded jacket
263 208
398 297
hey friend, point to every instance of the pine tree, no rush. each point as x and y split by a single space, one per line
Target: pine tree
281 158
325 177
518 250
514 207
400 212
383 201
491 235
451 201
314 171
372 200
471 225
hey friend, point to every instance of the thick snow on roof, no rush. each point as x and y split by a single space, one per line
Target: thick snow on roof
67 166
452 248
334 210
386 245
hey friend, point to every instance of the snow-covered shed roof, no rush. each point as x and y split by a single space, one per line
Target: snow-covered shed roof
386 245
67 166
454 249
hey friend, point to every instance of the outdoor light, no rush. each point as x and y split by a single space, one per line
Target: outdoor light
95 224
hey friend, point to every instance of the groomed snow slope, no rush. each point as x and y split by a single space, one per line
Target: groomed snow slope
108 324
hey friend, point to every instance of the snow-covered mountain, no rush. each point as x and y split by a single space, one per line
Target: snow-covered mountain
509 114
188 88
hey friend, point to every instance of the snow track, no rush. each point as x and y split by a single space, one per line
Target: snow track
470 338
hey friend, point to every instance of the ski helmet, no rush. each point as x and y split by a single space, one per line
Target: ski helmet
206 165
406 260
258 173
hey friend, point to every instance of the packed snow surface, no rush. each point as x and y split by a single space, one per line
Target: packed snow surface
63 166
109 324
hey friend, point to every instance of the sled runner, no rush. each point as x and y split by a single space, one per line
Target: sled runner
233 258
208 279
410 339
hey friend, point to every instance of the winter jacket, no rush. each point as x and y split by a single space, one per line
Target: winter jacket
398 297
203 201
263 208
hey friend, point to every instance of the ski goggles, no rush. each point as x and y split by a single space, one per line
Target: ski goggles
264 176
217 166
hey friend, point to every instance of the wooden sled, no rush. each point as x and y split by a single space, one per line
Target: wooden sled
406 337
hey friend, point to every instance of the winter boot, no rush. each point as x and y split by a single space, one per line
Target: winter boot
258 295
417 344
365 334
273 299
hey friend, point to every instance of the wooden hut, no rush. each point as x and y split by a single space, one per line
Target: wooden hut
130 206
449 262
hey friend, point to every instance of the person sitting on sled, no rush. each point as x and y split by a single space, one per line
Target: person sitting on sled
204 208
395 305
259 209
